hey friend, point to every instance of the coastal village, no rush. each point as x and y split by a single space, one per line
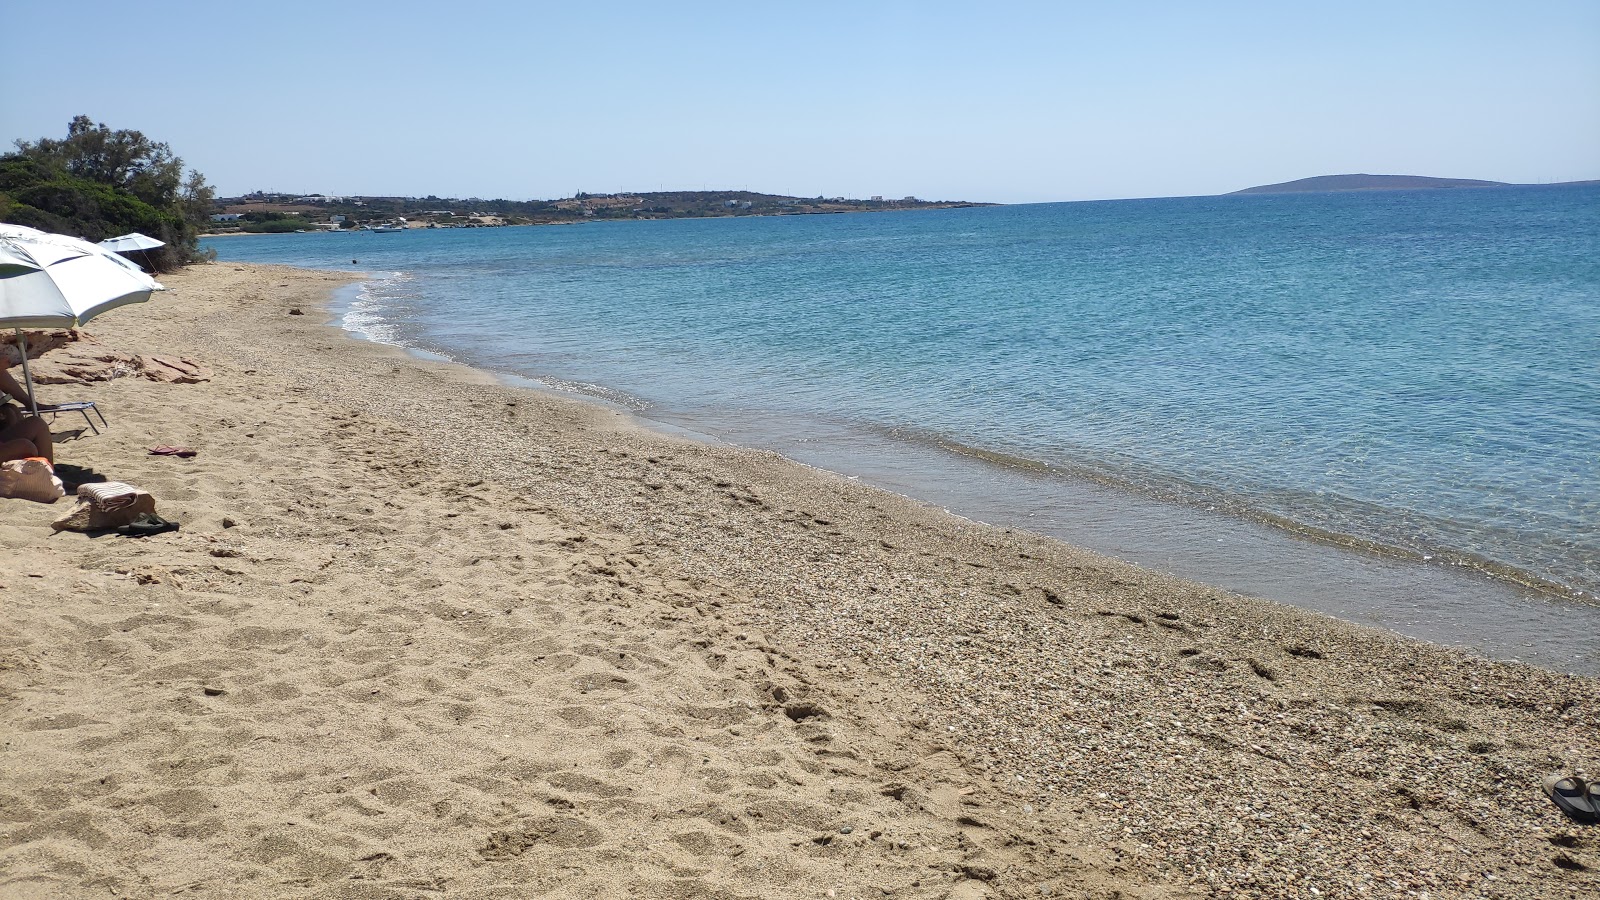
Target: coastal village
273 212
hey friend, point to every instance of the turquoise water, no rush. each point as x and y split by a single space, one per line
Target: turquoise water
1417 371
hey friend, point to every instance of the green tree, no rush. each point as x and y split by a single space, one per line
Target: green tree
98 182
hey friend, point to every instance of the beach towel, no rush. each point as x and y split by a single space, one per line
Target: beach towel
104 506
109 495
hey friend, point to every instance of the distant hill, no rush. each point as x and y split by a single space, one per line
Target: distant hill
1368 183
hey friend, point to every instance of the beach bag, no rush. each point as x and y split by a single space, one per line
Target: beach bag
30 479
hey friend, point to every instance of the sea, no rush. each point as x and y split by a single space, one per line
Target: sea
1384 406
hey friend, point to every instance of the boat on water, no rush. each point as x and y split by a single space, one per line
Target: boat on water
386 228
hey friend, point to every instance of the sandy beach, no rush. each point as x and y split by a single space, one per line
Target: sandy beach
426 635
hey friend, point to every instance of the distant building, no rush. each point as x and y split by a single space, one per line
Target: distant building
227 217
877 198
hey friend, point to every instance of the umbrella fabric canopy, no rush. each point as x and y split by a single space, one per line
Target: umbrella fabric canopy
134 241
54 281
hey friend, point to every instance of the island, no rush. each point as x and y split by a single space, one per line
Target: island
1363 182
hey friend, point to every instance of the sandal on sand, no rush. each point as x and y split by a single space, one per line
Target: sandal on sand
146 524
1573 797
164 450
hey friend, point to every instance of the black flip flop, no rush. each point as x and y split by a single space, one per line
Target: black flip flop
1573 797
146 524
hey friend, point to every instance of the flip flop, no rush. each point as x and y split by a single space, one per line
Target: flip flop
146 524
1573 797
183 452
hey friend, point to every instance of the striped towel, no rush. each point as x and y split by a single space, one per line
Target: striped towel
109 495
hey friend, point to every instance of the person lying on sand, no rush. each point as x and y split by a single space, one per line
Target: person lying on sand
20 436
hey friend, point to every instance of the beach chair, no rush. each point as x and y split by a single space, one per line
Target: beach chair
83 406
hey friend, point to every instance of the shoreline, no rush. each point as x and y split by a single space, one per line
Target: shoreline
478 635
1446 597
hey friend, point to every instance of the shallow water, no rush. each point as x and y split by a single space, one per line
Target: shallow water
1414 372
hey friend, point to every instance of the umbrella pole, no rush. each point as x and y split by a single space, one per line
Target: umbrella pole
27 376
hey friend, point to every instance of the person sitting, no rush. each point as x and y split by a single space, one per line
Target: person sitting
21 436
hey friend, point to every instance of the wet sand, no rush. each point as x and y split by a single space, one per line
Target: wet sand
425 634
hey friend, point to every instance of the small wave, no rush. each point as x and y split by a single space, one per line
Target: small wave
1465 559
368 314
1166 488
597 391
983 454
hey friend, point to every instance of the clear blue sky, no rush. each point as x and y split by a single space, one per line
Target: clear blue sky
1011 102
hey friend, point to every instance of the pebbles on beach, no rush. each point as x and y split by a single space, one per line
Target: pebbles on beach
472 638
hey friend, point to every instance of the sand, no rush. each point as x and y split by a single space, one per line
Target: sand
426 635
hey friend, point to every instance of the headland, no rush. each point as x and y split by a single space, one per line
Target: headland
263 212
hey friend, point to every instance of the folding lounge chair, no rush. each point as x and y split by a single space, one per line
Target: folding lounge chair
84 406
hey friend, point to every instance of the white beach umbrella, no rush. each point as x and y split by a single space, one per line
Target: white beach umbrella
131 241
55 281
